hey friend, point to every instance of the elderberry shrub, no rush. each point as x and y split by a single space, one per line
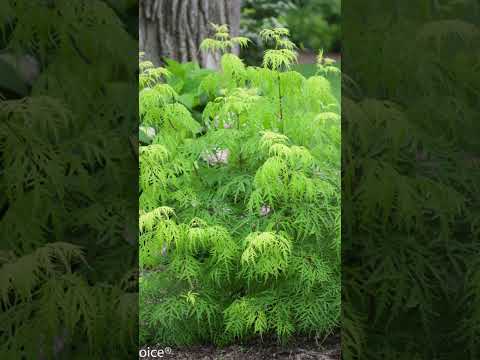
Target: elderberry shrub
240 208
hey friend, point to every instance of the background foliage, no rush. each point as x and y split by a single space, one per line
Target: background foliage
314 24
410 180
67 253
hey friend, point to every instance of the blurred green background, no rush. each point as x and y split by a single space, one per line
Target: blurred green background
314 25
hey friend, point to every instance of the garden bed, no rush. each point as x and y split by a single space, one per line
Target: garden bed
300 349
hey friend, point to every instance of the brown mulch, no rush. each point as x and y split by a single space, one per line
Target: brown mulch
300 349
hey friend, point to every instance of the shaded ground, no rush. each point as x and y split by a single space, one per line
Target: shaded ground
307 62
310 57
301 349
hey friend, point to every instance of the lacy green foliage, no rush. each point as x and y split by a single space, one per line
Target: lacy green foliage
283 55
222 41
65 265
411 176
240 209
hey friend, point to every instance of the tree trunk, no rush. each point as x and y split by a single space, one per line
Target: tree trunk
175 28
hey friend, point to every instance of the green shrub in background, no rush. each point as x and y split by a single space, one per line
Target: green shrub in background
240 210
411 175
67 258
314 24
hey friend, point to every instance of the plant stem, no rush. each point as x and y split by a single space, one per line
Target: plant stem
280 103
169 121
171 124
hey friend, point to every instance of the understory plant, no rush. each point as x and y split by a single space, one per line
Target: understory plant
240 209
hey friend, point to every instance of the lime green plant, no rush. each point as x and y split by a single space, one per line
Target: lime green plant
240 209
222 41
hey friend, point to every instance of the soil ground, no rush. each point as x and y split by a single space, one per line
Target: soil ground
310 57
300 349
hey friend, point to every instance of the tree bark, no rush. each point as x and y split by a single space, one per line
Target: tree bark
175 28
